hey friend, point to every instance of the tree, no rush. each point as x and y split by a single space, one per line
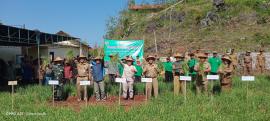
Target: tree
131 2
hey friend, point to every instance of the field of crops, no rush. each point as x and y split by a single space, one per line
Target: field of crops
31 104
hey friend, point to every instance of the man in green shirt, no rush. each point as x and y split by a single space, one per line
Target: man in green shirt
191 64
138 74
215 62
168 68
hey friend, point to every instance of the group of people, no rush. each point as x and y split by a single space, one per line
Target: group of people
195 64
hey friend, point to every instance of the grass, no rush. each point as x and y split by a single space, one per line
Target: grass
235 105
236 27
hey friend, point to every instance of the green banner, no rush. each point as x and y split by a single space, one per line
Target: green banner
123 48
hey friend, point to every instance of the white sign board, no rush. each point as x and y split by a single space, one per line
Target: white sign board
85 83
53 82
212 77
12 82
147 80
185 78
120 80
248 78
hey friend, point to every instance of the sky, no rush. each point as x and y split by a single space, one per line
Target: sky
85 19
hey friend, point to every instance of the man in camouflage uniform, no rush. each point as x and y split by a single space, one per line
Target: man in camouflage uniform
84 74
178 71
112 67
260 65
58 73
202 68
247 64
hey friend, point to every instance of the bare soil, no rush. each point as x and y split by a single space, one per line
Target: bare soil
111 101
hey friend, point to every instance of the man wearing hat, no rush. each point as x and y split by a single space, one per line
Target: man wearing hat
128 74
168 68
260 64
215 62
226 72
247 64
202 68
178 71
58 74
151 70
83 74
97 72
112 66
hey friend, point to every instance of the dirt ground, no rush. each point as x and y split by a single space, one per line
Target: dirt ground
72 102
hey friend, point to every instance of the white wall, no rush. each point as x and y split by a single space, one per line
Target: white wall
8 53
62 51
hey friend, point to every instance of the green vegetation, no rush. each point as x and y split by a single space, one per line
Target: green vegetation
234 106
243 24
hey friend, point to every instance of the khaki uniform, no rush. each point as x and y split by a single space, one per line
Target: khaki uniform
177 83
84 74
247 65
226 76
260 65
151 71
202 82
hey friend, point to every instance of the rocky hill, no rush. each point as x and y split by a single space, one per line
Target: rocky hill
191 24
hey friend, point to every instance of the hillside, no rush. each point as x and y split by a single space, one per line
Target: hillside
190 24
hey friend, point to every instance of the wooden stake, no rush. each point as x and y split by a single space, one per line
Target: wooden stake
119 100
85 94
53 95
12 97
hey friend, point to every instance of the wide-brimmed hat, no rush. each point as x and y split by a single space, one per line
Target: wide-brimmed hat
201 55
178 55
150 57
248 51
111 55
226 58
82 56
58 59
129 59
191 54
98 58
261 50
215 52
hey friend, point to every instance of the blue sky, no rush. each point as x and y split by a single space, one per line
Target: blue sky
85 19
